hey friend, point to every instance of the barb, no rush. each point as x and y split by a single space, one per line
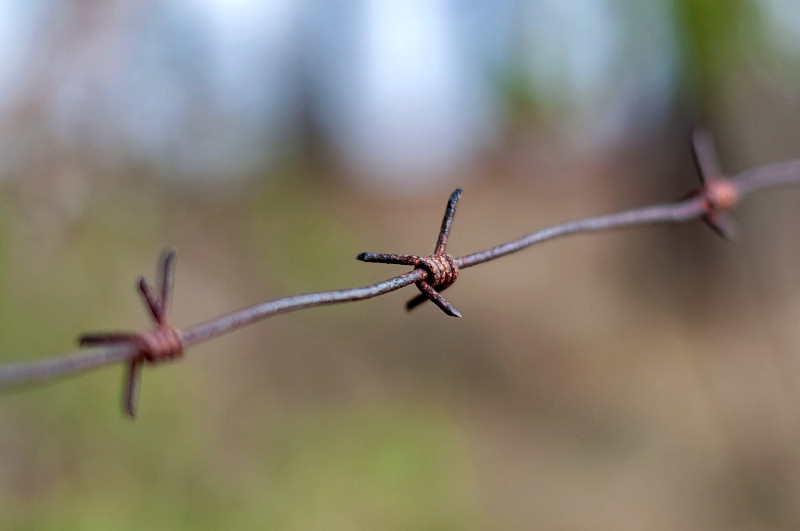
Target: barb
162 343
719 193
432 274
440 268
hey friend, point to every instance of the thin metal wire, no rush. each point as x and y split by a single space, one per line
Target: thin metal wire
769 176
675 213
65 364
245 316
764 177
88 359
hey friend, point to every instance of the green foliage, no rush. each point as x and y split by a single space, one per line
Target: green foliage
374 468
709 32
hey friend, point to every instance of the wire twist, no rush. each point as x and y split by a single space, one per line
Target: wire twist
718 193
441 268
161 343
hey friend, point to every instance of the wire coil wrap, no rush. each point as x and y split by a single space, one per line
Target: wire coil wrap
162 343
441 268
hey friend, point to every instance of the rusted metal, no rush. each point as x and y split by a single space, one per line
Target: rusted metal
159 344
718 193
440 268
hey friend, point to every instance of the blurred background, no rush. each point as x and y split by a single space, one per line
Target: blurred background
645 379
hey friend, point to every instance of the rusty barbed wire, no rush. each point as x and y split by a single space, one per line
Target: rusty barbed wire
432 274
440 268
161 343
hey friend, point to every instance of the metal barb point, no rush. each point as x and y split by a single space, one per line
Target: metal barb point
704 156
162 342
440 267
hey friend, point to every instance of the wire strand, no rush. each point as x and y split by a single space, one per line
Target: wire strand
697 207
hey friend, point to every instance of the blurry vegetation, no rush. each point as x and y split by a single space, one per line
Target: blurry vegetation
330 468
712 36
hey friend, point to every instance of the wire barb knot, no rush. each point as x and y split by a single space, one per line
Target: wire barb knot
718 194
441 268
161 343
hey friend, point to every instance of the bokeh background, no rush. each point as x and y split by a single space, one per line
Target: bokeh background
646 379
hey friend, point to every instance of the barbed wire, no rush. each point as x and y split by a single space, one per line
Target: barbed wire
432 274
